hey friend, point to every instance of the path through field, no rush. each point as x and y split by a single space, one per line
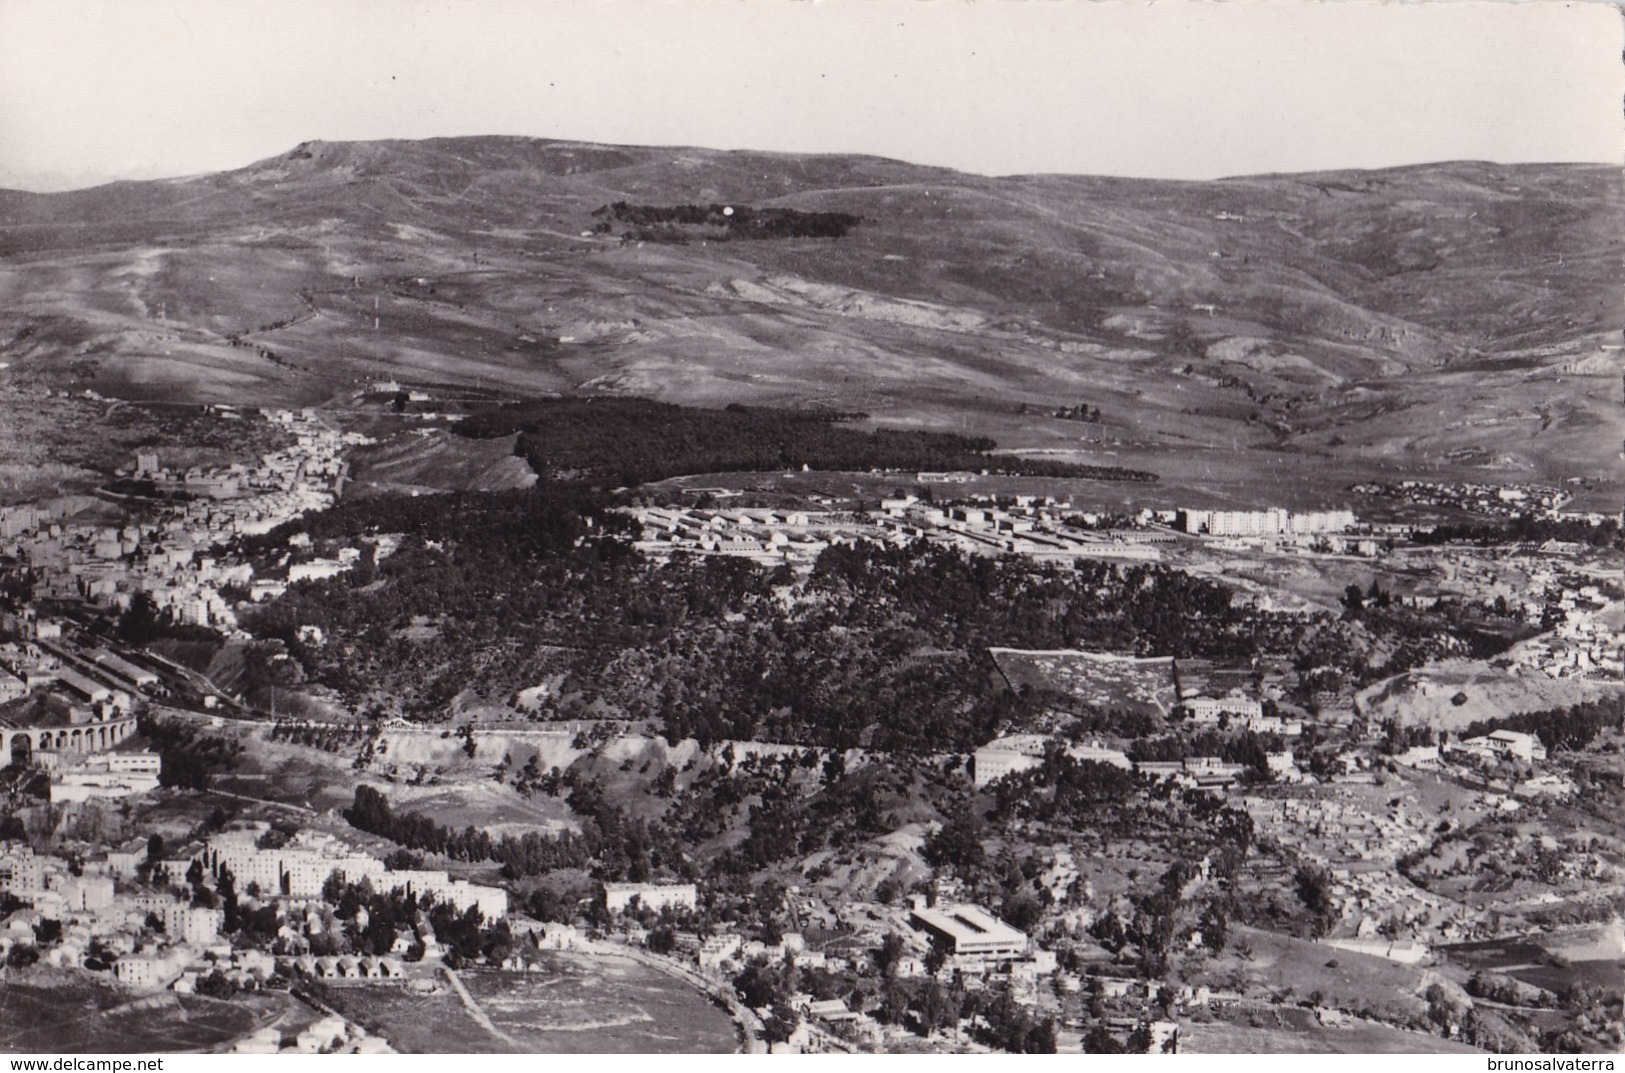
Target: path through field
478 1014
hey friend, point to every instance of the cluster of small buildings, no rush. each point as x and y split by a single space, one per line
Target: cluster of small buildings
767 536
94 914
1582 646
328 1034
1033 526
976 942
1540 583
1037 527
1486 749
155 939
170 557
1503 500
1022 752
1377 900
1337 827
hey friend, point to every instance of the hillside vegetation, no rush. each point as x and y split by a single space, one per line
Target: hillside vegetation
629 441
1446 317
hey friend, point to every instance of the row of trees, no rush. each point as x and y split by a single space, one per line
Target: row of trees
529 854
372 920
1527 529
1572 728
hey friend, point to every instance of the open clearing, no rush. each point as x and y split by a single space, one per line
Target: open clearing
579 1004
74 1015
1101 681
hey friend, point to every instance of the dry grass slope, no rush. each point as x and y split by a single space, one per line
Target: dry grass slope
1444 317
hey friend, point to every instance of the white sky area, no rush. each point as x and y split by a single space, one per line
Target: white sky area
91 91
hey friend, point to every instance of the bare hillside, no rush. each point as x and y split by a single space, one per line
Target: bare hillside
1446 318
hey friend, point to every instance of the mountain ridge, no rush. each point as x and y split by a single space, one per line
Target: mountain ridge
1259 311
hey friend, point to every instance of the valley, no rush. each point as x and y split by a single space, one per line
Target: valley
604 598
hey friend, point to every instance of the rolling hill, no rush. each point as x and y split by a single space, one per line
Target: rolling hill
1289 333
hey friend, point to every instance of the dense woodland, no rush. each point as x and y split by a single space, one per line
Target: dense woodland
879 647
612 442
720 223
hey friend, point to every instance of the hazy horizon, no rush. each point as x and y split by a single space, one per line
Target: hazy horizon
182 176
93 91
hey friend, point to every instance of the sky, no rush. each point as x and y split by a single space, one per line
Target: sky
94 90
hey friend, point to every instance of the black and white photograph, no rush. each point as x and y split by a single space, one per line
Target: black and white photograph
841 527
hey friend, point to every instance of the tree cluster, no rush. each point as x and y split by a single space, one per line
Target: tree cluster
716 223
1570 728
1527 529
189 757
616 441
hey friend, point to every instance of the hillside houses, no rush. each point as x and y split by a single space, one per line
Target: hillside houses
1029 526
170 557
133 910
301 867
1337 827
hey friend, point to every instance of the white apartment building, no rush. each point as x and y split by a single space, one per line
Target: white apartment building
656 896
1209 709
1273 521
1021 752
149 971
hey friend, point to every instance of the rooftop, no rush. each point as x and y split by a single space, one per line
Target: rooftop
968 923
